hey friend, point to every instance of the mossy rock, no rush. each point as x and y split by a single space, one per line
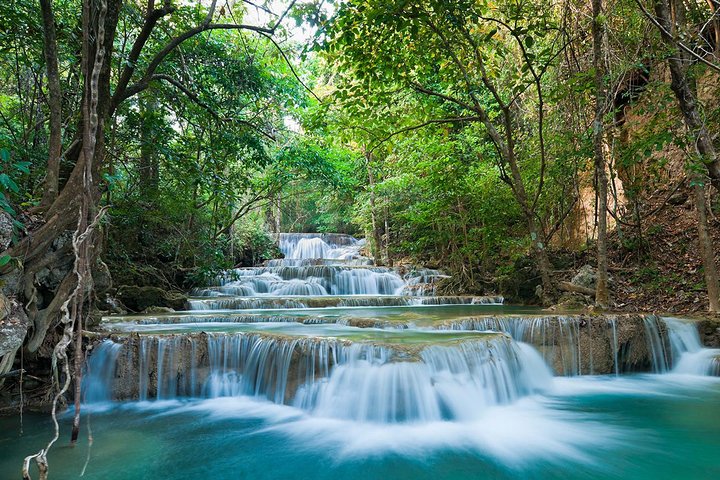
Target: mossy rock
139 299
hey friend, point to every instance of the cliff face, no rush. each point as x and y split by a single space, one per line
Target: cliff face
655 259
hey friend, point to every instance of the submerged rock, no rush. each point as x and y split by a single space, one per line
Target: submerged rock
159 310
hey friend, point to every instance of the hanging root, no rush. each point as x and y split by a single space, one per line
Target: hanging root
60 351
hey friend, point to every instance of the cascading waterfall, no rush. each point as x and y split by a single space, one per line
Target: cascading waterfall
320 265
687 353
307 280
449 383
333 377
267 302
299 246
369 369
100 372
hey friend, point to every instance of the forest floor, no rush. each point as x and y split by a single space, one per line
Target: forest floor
663 270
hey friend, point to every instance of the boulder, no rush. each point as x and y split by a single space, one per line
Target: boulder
586 277
137 298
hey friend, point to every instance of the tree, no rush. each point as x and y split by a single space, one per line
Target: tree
455 54
601 288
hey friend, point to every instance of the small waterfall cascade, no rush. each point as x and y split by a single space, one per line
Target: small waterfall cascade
323 265
399 380
99 372
582 344
687 353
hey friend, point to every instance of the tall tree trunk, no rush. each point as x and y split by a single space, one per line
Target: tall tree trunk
714 6
52 174
388 259
706 247
96 59
536 235
598 30
149 164
377 235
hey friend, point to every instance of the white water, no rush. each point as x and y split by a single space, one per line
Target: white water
100 372
300 246
321 265
450 383
331 377
687 352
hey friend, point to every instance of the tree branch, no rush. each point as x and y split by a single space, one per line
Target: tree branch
205 26
676 41
424 124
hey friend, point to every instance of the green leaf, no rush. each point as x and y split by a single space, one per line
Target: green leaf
4 260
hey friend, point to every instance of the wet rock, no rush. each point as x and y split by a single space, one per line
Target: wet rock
709 330
138 299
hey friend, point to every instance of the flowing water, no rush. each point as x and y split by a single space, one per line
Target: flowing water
322 365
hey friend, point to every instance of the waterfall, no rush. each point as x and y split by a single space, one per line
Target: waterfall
579 344
319 265
403 366
299 246
333 377
687 352
100 371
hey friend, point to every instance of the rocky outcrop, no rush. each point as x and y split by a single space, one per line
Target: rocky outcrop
709 330
139 299
585 344
13 328
586 277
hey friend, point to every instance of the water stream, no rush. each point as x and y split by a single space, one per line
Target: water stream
323 365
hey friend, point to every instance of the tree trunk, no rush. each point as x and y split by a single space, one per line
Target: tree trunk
706 248
598 30
149 165
715 14
52 174
377 236
536 235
